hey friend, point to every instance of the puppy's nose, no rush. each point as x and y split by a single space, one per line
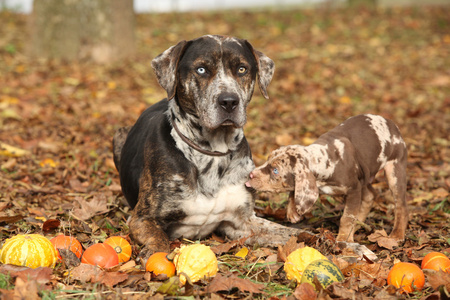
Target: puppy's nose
228 101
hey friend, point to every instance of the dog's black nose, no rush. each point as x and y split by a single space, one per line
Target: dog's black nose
228 101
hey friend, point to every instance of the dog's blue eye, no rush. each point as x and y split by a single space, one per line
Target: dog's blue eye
201 70
275 171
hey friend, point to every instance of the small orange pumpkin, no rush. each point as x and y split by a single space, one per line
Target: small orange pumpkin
121 246
29 250
436 261
102 255
67 242
407 276
159 264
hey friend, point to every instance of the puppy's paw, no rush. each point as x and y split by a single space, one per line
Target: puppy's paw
291 213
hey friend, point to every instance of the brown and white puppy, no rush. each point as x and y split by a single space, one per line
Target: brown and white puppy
343 161
184 163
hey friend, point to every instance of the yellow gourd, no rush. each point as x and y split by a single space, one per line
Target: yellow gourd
298 260
30 250
196 261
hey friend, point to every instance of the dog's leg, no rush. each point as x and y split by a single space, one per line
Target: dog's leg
148 233
291 210
367 199
396 176
352 208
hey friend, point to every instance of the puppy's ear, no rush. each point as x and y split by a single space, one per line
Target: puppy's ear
306 191
266 68
165 66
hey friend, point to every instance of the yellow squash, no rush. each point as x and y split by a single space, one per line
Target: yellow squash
30 250
298 260
195 261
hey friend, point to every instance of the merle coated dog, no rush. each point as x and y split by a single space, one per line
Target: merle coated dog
343 161
184 163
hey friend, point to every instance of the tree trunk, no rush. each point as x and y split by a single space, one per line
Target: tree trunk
101 30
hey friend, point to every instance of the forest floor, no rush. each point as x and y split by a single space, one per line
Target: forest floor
330 64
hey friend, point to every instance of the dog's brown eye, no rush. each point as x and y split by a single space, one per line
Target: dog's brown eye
242 70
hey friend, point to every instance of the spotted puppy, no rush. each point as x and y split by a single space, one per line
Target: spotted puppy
184 163
343 161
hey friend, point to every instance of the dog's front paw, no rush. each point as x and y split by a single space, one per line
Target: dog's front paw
291 213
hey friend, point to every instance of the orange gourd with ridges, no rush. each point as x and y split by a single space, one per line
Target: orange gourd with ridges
122 247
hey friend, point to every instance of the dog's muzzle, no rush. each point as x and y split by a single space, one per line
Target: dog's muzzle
228 104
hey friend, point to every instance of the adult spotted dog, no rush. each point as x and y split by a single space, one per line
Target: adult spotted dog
184 163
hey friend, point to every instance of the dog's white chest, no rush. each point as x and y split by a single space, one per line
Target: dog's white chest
204 214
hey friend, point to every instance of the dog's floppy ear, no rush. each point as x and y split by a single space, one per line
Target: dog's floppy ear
306 191
266 68
165 66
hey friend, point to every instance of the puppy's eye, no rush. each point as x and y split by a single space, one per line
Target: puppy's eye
242 70
201 70
275 171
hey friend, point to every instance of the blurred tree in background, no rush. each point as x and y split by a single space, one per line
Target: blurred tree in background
100 30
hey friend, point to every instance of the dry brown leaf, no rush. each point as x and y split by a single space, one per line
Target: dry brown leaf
226 283
50 224
26 290
305 291
225 247
438 278
41 275
88 209
90 273
86 272
382 239
290 246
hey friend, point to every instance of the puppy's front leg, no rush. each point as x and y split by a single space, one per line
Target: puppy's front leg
148 233
291 211
352 208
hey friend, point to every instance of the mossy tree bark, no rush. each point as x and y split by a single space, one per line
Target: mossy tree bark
101 30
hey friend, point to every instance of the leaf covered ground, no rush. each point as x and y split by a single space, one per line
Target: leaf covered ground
330 64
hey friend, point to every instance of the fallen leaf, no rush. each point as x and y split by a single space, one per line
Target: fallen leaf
90 273
225 247
41 275
10 219
290 246
69 258
88 209
50 224
26 290
438 278
226 283
113 278
11 151
86 272
382 239
242 253
171 286
305 291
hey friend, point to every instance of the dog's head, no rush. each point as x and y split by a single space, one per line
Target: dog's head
213 78
284 171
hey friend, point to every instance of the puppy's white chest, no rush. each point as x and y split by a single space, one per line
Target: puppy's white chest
204 214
